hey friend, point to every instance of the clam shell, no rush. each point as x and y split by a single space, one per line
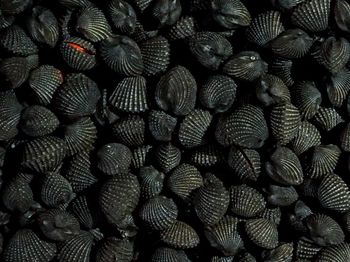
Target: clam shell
141 34
130 130
306 249
73 4
184 28
123 16
14 7
282 68
283 252
327 118
246 201
166 12
262 232
246 257
161 125
82 209
273 214
14 71
167 157
245 127
285 5
224 236
222 259
281 195
338 86
151 182
114 159
307 137
176 91
337 253
166 254
130 95
10 114
264 28
210 49
206 156
297 216
104 114
141 156
345 138
122 55
113 249
341 15
180 235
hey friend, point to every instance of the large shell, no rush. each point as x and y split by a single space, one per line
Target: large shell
167 157
245 127
338 87
123 15
130 130
184 28
337 253
262 232
166 254
210 49
151 182
283 69
10 114
14 71
176 91
327 118
283 252
114 249
307 136
161 125
341 15
281 195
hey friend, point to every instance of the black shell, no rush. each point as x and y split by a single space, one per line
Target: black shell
281 195
114 249
161 125
337 253
262 232
14 71
283 252
341 15
283 69
165 12
206 156
167 157
151 182
327 118
123 16
130 130
307 136
338 86
14 7
85 212
184 28
141 156
166 254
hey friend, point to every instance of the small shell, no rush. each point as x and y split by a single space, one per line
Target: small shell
119 196
246 65
114 159
283 252
10 114
165 254
114 249
262 232
307 136
122 55
245 127
141 156
14 71
282 68
180 235
306 249
130 130
328 118
210 49
264 28
338 86
176 91
130 95
167 157
273 214
158 213
161 125
184 28
104 115
225 237
206 156
281 195
337 253
151 182
123 16
218 93
166 12
246 201
285 120
341 15
284 167
85 212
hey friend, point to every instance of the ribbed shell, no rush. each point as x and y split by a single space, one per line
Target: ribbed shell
312 15
114 159
10 114
341 15
151 182
206 156
104 115
306 249
224 236
130 95
43 154
166 254
114 249
184 28
210 49
340 253
307 136
246 257
6 21
82 209
165 12
283 69
245 127
338 86
123 16
161 125
119 196
281 195
345 138
262 232
273 214
141 156
158 213
14 72
176 91
130 130
264 28
327 118
73 4
14 7
180 235
167 157
282 253
246 201
26 246
122 55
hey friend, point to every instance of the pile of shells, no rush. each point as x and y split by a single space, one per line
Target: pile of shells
174 130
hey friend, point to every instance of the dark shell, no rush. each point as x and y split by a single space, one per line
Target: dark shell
247 257
246 65
245 127
151 182
141 34
210 49
167 157
273 214
176 91
165 254
180 235
282 68
38 121
130 130
224 236
345 138
78 53
123 16
338 86
122 55
281 195
341 15
10 114
26 246
222 259
130 95
43 26
166 12
327 118
285 5
14 71
73 4
83 210
264 28
206 156
283 252
337 253
6 21
14 7
306 249
262 232
43 154
119 196
297 216
114 249
161 125
307 136
104 115
114 159
184 28
141 156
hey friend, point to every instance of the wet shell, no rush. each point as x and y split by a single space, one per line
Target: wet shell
130 130
92 24
38 121
283 252
167 157
176 91
119 197
85 212
338 86
210 49
159 213
246 65
264 28
246 201
245 163
58 225
218 93
43 154
10 114
165 12
151 182
77 97
334 194
306 249
230 14
328 118
78 53
165 254
284 167
43 26
262 232
341 15
292 43
26 246
307 136
285 120
161 125
245 127
273 214
123 16
206 156
141 156
312 15
15 40
323 230
44 81
122 55
184 28
224 236
114 249
14 71
180 235
337 253
130 95
114 159
183 180
282 68
155 55
281 195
